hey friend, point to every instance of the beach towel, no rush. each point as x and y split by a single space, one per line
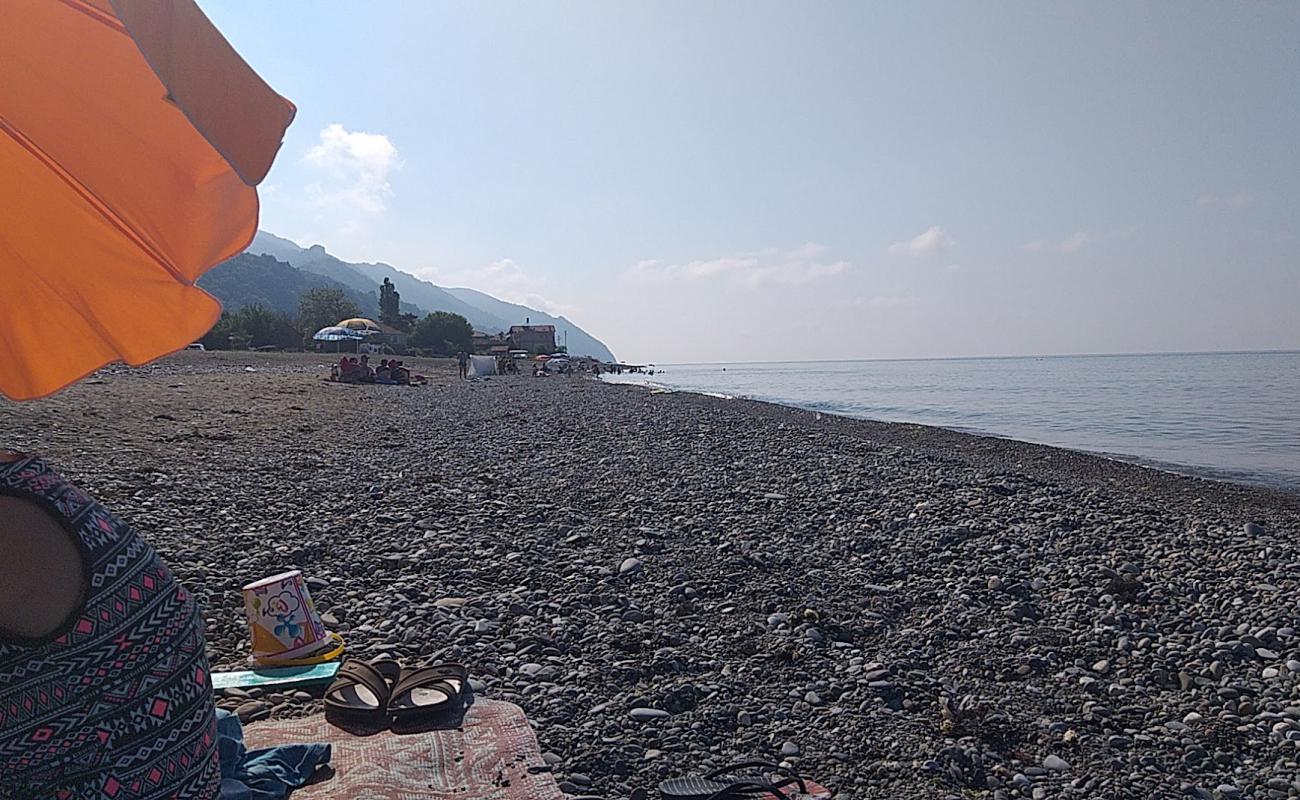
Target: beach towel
269 773
493 755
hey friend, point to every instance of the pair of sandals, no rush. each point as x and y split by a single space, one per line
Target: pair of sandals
751 780
376 690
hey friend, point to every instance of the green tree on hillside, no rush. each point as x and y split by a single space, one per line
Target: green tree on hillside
321 307
259 326
253 326
219 337
444 333
390 304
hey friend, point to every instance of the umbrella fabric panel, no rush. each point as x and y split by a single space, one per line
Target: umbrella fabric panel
80 94
113 203
73 303
360 324
336 334
226 101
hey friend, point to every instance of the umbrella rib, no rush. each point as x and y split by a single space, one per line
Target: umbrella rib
91 199
97 15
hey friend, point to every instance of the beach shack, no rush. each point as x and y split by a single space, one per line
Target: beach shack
532 338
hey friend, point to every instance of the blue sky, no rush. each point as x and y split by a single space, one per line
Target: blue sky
753 180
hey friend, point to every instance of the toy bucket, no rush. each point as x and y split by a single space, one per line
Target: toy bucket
283 621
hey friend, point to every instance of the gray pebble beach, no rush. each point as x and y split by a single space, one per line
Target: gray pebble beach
669 582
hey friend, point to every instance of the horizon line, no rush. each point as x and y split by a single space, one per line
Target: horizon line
986 357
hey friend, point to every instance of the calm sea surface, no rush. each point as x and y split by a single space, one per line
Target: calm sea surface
1227 415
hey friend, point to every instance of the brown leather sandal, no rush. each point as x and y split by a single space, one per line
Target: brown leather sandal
361 689
428 691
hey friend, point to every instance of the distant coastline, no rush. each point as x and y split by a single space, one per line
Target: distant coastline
1215 415
1002 357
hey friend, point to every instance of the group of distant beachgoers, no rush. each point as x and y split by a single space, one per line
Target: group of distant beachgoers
391 372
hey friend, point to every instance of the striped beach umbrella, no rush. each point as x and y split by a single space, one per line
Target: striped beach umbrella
335 333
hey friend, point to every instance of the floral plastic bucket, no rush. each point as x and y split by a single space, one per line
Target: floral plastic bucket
283 620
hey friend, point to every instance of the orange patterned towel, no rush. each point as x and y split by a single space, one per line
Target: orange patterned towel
487 758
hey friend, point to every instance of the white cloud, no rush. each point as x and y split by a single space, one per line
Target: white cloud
1075 242
354 169
748 270
809 250
505 279
503 271
880 302
1232 201
537 301
930 241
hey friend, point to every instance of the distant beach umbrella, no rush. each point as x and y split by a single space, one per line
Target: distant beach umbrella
334 333
132 137
361 324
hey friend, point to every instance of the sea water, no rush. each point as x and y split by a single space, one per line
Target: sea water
1234 416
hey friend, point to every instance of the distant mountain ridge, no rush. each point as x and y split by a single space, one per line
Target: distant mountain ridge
578 341
484 312
316 260
250 279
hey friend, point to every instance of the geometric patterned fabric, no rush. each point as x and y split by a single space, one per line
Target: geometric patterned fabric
117 703
491 755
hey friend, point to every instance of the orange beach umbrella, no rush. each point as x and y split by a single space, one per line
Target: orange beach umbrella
132 136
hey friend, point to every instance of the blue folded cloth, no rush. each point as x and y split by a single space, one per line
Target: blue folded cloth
267 774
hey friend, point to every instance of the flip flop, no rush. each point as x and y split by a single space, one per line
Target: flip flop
427 691
362 688
747 790
750 779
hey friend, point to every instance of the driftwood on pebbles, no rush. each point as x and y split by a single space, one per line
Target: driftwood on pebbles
668 583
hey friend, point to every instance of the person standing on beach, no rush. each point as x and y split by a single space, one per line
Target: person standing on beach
463 360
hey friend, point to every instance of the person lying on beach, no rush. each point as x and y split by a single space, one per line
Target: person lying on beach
404 376
103 676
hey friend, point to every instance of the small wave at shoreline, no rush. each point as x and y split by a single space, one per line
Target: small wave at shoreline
1184 415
